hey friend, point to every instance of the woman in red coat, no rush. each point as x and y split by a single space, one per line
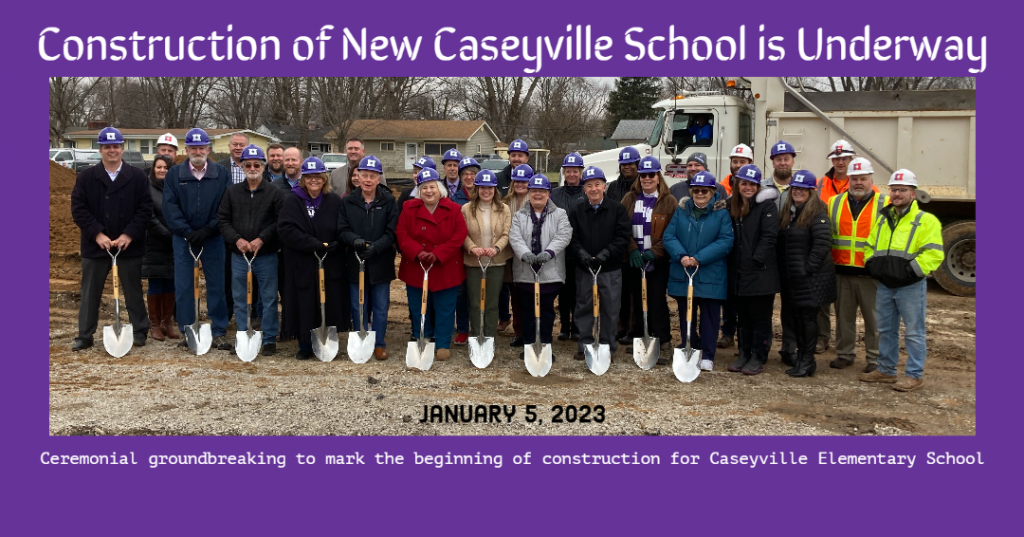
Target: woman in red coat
430 233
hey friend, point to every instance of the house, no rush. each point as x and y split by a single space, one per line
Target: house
397 143
144 140
316 141
633 131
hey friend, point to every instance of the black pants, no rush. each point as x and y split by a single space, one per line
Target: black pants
729 323
704 326
805 324
94 276
755 313
547 313
658 324
626 312
567 297
789 328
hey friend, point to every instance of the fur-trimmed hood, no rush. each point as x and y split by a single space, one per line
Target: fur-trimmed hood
766 194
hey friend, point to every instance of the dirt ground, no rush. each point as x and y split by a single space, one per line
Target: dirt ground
163 390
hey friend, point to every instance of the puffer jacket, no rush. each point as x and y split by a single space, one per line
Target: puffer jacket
158 261
501 223
753 269
566 197
806 272
621 186
554 238
708 239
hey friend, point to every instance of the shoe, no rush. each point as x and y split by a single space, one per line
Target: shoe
822 346
805 366
155 303
877 376
304 355
707 365
743 356
870 367
908 384
81 344
840 363
760 343
625 340
522 356
222 343
182 343
269 349
788 358
167 318
461 338
503 325
725 342
562 336
574 335
442 355
579 356
380 353
139 340
516 342
662 360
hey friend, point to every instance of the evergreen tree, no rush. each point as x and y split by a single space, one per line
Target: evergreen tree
631 99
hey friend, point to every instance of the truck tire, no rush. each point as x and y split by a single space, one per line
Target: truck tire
956 274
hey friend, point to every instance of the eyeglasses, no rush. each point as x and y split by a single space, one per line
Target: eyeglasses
700 191
312 178
252 165
648 175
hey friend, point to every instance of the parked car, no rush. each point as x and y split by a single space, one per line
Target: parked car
75 159
333 161
494 164
136 159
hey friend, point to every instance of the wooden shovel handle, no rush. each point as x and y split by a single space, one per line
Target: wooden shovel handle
323 295
536 300
114 271
248 288
643 292
597 307
195 282
483 291
361 292
423 299
689 303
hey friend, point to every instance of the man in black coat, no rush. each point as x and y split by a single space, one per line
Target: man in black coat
518 153
567 196
366 224
617 190
600 236
247 218
112 205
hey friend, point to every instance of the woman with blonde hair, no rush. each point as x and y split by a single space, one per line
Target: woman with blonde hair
488 221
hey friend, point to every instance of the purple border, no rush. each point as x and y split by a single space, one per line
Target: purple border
926 499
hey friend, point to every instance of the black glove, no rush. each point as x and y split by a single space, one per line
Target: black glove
369 251
584 257
198 237
603 256
321 248
359 245
331 246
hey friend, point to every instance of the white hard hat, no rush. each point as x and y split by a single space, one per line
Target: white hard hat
860 166
841 148
167 139
742 151
903 177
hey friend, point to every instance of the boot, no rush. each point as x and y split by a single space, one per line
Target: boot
805 365
744 348
167 320
758 354
788 358
155 331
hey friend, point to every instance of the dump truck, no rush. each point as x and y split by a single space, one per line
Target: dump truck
931 133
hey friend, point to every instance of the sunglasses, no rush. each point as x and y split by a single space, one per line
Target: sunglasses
317 179
251 165
700 191
648 175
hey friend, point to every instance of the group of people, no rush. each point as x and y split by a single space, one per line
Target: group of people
738 242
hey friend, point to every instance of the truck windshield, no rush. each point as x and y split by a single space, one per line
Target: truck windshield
656 134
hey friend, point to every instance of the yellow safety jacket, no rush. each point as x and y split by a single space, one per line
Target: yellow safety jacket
849 234
903 250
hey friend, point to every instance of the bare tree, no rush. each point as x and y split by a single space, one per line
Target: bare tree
342 100
68 96
567 109
240 102
393 97
180 101
444 98
501 101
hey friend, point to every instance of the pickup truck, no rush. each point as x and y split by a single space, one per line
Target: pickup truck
931 133
74 159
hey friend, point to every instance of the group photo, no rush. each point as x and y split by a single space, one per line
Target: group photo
334 256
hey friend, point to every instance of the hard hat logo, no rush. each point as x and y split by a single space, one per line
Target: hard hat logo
252 151
781 147
856 166
520 173
572 159
196 138
311 165
751 173
537 181
647 164
110 136
590 172
899 176
517 145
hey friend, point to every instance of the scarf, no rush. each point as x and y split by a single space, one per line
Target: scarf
538 224
311 204
642 210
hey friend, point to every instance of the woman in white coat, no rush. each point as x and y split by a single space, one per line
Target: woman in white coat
540 233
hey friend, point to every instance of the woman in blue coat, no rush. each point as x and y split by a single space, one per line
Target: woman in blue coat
699 237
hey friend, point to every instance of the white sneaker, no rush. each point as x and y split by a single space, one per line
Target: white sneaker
706 365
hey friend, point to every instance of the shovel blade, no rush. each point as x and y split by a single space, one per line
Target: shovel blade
199 342
325 346
118 345
685 367
538 363
246 348
360 349
598 357
481 354
646 355
421 360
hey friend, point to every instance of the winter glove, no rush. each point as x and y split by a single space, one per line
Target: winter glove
529 258
648 256
542 258
584 257
368 252
359 245
603 256
197 238
636 259
320 249
332 246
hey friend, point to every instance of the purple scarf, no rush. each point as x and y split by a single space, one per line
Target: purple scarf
642 210
311 204
538 223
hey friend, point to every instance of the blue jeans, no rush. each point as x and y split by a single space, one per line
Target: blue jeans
439 303
264 271
910 304
375 309
213 268
462 310
159 286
